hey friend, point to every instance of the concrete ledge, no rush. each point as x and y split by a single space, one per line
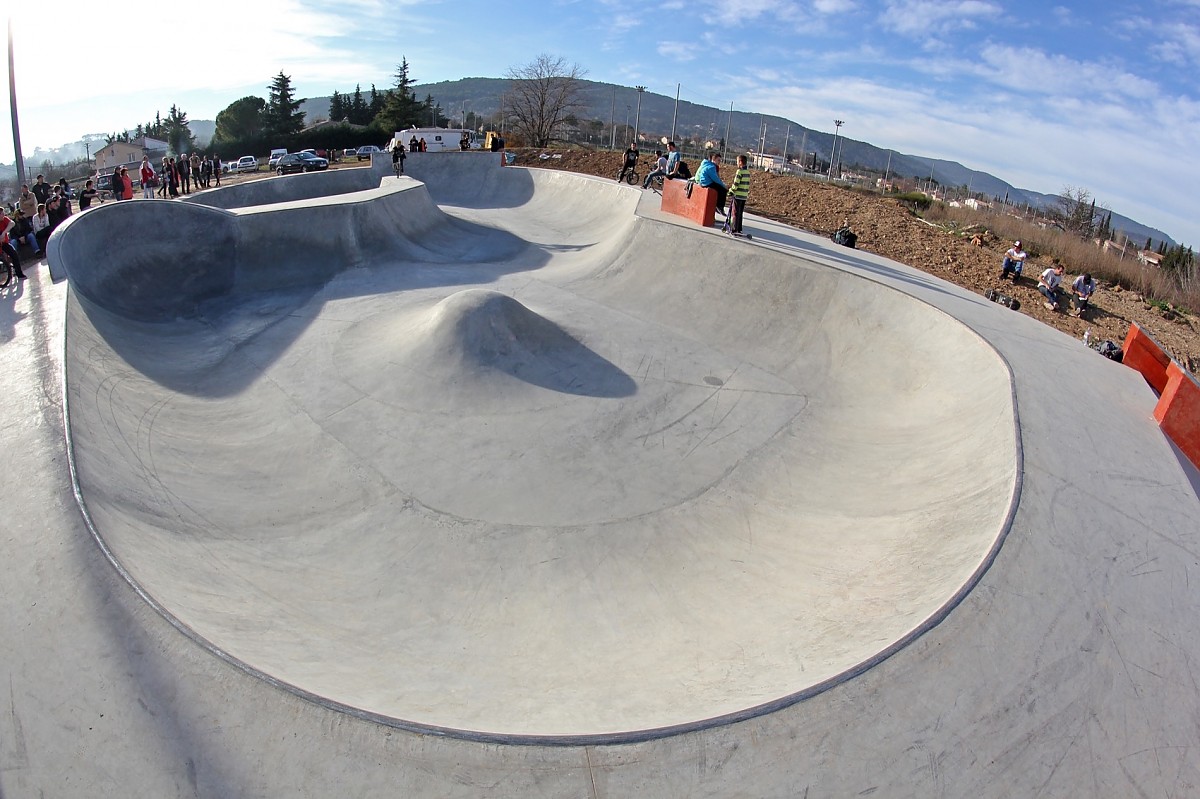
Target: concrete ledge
1178 408
701 207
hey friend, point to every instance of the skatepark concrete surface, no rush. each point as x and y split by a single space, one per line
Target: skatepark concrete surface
495 481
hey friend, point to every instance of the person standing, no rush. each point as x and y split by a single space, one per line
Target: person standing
86 195
27 202
41 189
183 167
126 184
217 168
146 176
740 191
114 185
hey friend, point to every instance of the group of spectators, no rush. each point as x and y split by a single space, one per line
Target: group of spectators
670 166
34 216
175 176
1050 280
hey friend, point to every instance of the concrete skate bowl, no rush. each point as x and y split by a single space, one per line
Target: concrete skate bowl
594 493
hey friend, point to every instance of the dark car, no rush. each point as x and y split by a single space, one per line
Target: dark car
300 162
364 153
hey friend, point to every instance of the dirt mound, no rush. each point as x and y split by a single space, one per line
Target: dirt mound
969 258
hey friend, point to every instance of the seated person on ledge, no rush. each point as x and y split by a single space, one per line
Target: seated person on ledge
706 175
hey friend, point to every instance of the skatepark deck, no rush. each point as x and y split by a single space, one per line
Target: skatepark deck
502 482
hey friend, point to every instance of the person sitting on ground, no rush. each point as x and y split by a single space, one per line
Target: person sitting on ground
1048 284
707 176
7 224
1014 261
1082 289
660 169
740 192
41 227
628 161
87 194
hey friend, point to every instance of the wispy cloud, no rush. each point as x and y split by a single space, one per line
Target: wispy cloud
932 18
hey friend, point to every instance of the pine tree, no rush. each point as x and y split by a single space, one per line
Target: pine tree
359 114
337 108
282 117
179 135
377 101
400 109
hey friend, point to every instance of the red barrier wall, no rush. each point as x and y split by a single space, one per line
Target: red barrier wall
701 207
1178 408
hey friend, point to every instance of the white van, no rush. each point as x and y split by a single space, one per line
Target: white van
437 140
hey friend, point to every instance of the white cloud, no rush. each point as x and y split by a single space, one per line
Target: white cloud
931 18
677 51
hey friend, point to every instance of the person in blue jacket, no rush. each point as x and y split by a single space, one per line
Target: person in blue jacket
706 175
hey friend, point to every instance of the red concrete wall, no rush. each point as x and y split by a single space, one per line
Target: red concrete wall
1178 408
1178 412
1141 352
701 207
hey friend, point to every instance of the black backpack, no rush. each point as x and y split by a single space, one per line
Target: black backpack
683 170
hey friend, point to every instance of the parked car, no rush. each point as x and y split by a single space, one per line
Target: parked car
364 153
349 152
274 159
300 162
247 163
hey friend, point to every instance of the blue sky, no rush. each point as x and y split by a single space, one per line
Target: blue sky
1044 95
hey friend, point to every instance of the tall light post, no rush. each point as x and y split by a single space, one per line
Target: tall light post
627 109
637 120
12 99
837 126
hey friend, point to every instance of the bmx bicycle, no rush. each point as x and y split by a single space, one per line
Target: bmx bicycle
631 176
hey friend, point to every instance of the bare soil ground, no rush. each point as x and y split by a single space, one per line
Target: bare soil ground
887 227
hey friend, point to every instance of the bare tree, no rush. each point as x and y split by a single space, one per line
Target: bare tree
541 96
1078 209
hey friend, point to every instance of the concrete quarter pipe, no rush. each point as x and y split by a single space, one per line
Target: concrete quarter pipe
507 465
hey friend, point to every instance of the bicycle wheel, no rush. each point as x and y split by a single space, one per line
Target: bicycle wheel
8 273
632 178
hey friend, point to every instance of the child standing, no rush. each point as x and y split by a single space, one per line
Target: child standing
739 191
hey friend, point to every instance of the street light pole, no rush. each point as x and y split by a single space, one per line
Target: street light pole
637 120
837 126
12 100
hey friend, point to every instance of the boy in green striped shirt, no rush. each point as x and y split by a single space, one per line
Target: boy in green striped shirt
739 190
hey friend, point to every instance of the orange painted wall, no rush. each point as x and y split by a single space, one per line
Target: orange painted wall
701 207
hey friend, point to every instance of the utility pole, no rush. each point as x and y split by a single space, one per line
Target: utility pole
837 126
888 170
728 121
637 120
12 101
675 116
612 121
787 137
